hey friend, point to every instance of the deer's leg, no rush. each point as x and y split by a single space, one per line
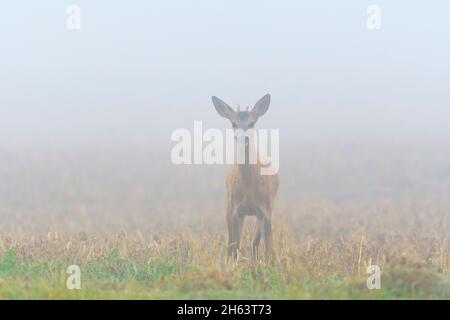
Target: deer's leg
256 239
238 222
267 235
230 227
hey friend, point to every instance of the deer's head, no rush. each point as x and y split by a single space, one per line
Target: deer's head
242 121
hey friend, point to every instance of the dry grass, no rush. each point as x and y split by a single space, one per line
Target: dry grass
140 231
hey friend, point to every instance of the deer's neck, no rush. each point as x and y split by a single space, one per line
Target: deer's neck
248 171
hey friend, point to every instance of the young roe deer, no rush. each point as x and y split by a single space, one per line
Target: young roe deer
248 192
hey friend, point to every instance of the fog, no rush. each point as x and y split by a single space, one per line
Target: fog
135 72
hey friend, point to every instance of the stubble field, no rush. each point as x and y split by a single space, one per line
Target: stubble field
139 227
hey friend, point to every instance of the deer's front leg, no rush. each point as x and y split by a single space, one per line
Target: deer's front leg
235 223
267 235
265 226
256 240
230 226
238 222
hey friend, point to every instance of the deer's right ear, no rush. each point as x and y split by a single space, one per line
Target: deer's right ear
222 108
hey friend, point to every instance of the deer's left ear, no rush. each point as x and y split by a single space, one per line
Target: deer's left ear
261 106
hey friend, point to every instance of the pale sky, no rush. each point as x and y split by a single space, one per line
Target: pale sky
138 70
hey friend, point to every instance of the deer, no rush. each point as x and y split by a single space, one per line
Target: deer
248 192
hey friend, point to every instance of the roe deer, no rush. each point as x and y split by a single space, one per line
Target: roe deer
248 192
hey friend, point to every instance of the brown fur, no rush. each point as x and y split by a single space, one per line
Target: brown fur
250 194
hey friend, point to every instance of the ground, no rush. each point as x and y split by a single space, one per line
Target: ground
144 231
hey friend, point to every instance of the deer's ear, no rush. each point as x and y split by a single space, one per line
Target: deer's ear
222 108
261 106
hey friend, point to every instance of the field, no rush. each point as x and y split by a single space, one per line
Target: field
141 228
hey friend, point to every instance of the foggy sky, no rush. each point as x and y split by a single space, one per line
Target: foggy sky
138 70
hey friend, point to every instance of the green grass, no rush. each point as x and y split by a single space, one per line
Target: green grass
112 277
